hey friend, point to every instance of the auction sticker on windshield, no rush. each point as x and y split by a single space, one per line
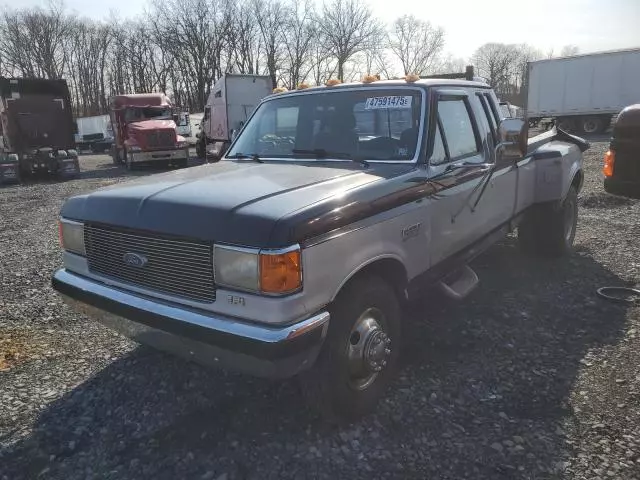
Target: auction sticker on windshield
394 101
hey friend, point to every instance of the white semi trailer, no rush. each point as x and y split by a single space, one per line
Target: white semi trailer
583 92
231 101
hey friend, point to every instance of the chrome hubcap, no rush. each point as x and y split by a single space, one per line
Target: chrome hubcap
368 349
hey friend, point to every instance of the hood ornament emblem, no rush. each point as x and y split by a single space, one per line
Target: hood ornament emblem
134 259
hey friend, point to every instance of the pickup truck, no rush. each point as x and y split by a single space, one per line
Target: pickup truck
294 255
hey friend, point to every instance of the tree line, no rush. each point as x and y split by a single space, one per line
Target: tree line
180 47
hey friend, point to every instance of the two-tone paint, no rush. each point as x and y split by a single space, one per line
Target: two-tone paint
411 222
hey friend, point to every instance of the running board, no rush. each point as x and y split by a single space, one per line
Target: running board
459 284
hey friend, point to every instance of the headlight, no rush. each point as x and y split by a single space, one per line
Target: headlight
182 144
134 148
265 271
71 236
236 267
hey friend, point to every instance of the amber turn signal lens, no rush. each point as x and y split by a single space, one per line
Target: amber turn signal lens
609 160
280 273
60 236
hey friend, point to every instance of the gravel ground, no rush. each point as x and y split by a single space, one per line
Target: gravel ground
532 377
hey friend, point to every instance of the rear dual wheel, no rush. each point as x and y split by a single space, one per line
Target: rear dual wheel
550 229
359 357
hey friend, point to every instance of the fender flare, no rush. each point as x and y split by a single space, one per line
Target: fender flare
368 264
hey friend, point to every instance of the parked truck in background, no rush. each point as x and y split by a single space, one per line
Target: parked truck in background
184 124
145 131
36 129
231 101
94 133
582 93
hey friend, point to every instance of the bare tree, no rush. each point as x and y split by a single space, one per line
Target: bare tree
242 47
299 33
416 43
346 28
270 17
193 32
449 64
497 62
32 41
569 51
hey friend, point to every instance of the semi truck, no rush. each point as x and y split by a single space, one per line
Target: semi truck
231 101
145 131
36 128
582 93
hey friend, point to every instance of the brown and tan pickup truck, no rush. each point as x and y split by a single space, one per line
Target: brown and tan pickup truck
294 254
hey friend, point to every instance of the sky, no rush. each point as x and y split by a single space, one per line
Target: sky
591 25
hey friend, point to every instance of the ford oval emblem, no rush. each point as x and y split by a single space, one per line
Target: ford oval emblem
134 259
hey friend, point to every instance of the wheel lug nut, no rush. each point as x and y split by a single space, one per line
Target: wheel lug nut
384 363
387 351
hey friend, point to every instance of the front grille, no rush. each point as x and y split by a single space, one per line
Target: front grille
161 138
174 267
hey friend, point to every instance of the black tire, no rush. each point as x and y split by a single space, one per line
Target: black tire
329 386
201 148
128 160
567 124
591 125
550 229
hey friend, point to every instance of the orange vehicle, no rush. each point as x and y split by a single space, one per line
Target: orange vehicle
145 131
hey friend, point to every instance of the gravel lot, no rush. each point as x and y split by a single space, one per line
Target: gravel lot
532 377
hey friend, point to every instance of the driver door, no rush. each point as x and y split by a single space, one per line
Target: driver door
457 141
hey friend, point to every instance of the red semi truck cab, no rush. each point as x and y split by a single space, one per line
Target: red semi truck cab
145 131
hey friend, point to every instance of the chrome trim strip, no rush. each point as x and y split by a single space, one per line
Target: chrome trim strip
232 326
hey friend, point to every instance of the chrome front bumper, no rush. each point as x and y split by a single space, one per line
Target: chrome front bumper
218 341
160 155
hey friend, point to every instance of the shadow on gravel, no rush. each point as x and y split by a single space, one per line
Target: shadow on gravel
483 393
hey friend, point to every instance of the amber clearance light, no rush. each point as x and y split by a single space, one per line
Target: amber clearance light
280 272
609 160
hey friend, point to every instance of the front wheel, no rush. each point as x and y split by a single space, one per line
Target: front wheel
550 229
359 357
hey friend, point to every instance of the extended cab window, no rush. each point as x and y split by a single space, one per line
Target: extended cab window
457 127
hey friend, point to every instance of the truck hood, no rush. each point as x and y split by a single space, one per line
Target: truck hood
237 202
145 125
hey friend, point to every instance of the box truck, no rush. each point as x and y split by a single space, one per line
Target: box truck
231 101
582 93
94 133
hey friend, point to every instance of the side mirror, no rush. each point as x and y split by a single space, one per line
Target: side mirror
176 118
513 136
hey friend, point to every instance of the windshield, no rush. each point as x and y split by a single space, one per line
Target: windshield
136 114
372 124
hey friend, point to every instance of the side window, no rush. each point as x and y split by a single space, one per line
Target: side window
458 129
439 155
492 106
488 114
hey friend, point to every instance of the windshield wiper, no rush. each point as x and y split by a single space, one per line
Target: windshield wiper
253 156
322 153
